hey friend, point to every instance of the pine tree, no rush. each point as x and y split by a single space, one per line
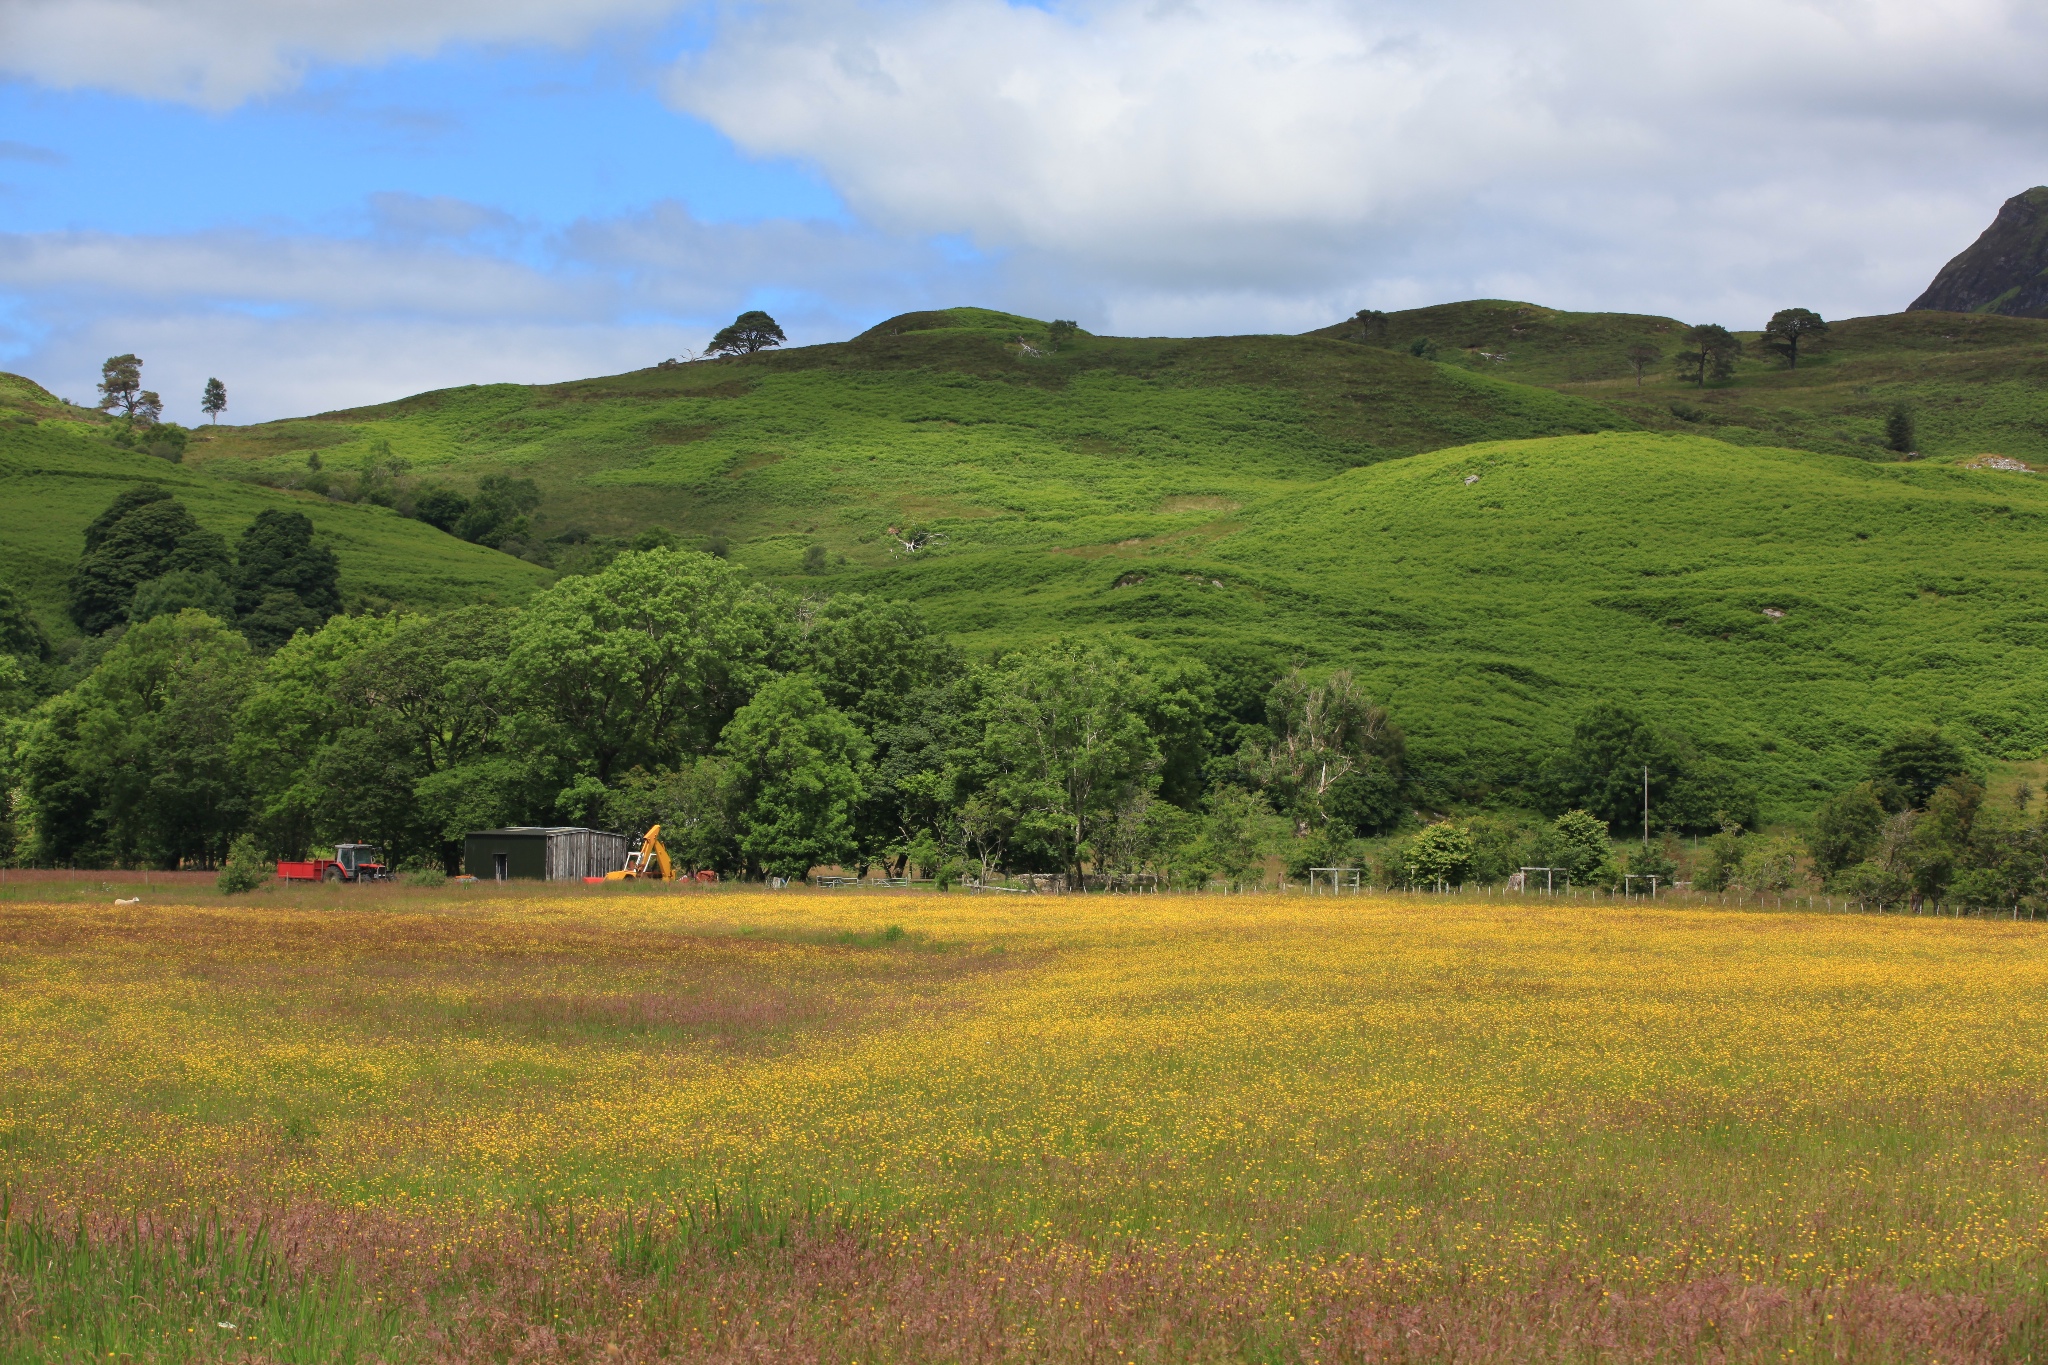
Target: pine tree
121 384
215 400
750 332
1787 328
1898 430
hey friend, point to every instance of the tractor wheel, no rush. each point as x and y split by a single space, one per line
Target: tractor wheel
333 873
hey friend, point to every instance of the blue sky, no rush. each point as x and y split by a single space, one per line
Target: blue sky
328 202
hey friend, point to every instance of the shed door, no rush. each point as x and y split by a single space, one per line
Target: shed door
501 865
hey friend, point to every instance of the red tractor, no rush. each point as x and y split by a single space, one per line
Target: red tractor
350 863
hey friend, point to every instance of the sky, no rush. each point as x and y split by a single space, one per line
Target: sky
332 202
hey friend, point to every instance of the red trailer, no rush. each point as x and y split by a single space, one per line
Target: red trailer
350 863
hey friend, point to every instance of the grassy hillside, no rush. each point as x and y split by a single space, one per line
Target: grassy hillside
58 472
963 419
1977 384
1629 567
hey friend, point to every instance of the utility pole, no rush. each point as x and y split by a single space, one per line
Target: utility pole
1646 805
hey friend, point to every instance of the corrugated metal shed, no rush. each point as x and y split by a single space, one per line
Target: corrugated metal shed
554 853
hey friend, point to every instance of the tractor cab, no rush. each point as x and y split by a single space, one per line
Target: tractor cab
360 862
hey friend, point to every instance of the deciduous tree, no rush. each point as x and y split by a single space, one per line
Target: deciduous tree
135 764
796 771
644 663
1064 743
1845 829
284 583
1438 855
214 401
1322 733
145 534
1907 771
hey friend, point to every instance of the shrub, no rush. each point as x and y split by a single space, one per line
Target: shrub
1874 884
1440 854
246 867
426 876
1768 865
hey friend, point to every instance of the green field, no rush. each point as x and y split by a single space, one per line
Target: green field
58 472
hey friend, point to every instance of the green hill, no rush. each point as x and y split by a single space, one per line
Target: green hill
1256 500
966 420
1974 382
1790 610
58 471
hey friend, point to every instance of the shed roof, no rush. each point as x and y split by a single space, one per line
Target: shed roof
544 829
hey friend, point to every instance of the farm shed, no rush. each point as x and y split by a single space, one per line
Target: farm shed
553 853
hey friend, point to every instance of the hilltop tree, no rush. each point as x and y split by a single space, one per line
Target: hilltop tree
1061 331
121 384
1788 327
1641 356
1712 355
750 332
147 410
1372 326
215 400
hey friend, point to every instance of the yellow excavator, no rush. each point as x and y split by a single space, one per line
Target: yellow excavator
650 863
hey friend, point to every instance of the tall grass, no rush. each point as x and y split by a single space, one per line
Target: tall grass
147 1288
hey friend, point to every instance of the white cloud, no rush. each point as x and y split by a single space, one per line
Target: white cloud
218 53
439 293
293 366
1146 166
1281 158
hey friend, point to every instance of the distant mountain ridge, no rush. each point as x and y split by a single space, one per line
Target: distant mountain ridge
2004 271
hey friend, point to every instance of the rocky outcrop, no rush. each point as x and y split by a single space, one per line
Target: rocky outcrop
2005 270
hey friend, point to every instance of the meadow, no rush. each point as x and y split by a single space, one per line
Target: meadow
619 1124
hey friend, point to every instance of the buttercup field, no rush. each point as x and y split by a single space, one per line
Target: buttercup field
401 1125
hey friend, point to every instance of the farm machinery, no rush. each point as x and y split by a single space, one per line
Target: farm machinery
350 863
651 863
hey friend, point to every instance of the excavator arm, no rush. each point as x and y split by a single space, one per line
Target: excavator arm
640 866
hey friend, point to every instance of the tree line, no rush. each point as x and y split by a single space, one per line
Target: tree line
224 693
